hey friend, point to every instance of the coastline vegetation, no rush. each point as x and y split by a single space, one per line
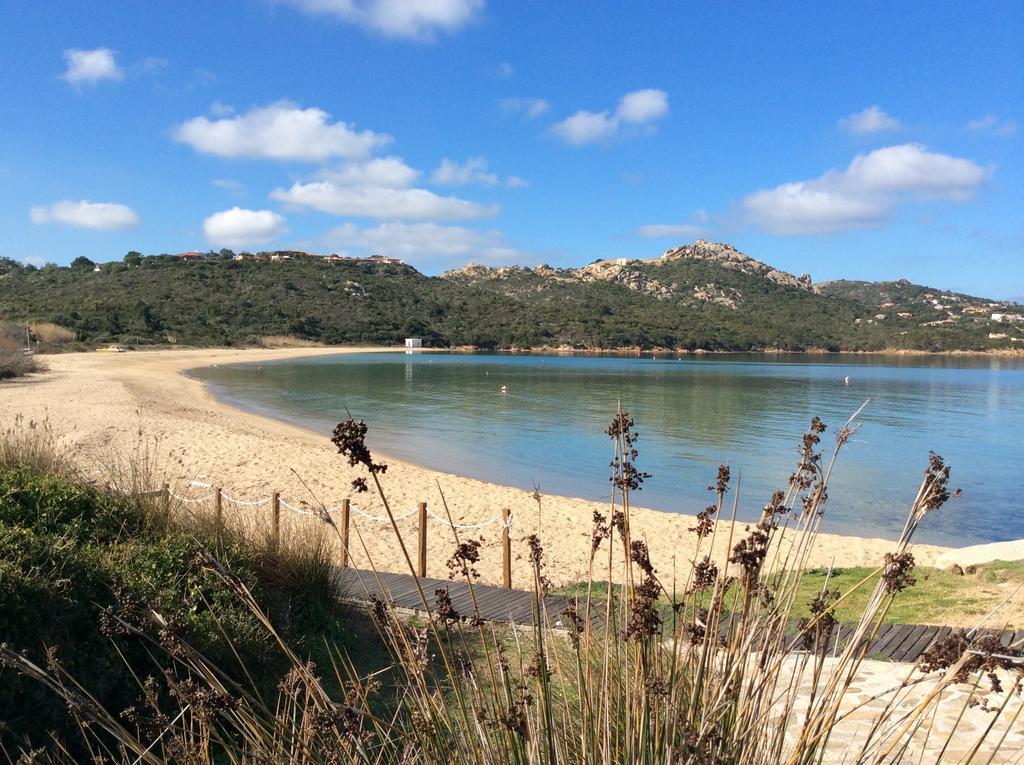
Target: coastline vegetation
178 642
161 300
14 360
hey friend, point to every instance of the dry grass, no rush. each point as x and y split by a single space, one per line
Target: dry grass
33 445
716 681
285 341
14 361
53 334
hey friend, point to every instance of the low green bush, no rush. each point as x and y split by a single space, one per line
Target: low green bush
79 565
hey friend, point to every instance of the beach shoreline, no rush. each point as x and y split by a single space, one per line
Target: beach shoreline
102 402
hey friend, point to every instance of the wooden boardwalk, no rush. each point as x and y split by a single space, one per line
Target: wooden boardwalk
894 642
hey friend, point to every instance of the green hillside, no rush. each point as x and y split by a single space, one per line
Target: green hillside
702 296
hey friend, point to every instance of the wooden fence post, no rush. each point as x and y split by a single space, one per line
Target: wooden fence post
275 519
345 516
506 549
423 539
165 499
218 512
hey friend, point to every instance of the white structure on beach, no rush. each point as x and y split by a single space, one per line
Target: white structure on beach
413 342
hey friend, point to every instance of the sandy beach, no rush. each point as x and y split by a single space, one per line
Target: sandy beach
102 402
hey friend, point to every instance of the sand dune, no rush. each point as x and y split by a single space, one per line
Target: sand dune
101 402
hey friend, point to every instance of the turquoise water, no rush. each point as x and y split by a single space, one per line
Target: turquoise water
446 411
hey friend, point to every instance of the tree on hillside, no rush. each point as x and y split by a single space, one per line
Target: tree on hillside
81 263
133 258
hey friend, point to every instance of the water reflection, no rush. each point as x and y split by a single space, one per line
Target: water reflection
447 411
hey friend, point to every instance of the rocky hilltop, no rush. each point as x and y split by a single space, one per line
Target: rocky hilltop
729 257
644 276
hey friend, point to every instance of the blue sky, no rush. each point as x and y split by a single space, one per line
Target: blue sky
860 140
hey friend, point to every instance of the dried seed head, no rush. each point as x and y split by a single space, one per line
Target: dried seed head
444 610
896 573
464 560
537 559
750 552
350 438
722 483
624 475
641 557
935 488
705 574
704 523
600 533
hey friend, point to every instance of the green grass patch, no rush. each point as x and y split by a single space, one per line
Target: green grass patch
71 557
938 597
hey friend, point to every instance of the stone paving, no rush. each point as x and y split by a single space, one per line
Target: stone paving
931 741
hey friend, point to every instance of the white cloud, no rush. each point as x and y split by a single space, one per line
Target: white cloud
694 227
419 242
234 187
864 194
636 108
871 120
586 127
643 106
381 202
990 123
97 216
243 228
388 172
910 167
408 19
806 208
88 67
473 170
279 131
527 107
220 109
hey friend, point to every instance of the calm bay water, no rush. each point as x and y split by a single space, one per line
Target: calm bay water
446 411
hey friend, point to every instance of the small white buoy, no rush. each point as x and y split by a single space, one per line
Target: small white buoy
846 380
504 389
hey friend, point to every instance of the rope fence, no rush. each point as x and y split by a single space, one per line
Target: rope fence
345 508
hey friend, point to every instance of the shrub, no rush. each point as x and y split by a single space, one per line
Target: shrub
81 569
48 332
284 341
14 360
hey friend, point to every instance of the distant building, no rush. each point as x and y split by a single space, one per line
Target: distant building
384 259
192 256
413 342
